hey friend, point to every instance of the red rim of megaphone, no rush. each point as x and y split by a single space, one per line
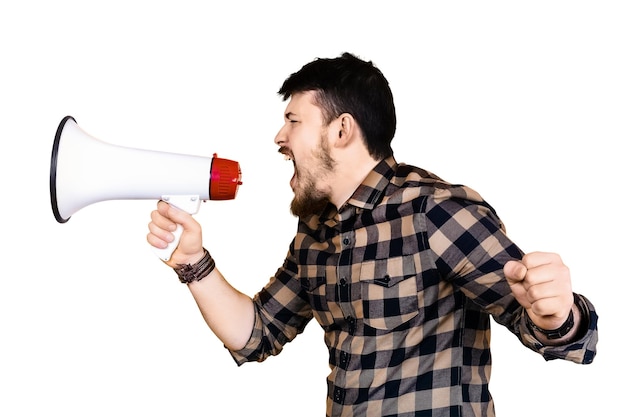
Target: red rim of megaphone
225 179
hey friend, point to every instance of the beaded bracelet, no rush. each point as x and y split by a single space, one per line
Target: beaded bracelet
188 273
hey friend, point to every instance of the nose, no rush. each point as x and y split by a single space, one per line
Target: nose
281 137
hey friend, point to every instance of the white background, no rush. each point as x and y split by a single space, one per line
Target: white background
523 101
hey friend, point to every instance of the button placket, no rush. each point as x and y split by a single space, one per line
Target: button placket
344 274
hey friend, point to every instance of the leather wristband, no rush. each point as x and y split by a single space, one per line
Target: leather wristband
565 327
556 333
188 273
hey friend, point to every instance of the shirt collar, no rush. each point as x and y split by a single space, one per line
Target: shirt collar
366 196
371 190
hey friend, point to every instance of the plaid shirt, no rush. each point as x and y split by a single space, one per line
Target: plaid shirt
403 279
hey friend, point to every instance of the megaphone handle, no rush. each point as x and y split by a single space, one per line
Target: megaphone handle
189 203
166 252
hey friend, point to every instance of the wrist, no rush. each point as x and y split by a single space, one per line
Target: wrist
552 334
195 258
574 327
197 271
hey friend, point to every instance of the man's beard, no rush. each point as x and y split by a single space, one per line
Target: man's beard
310 200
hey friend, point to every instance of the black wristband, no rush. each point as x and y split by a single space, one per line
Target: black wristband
556 333
188 273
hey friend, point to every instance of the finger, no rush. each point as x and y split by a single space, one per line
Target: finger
543 291
546 306
554 274
158 237
549 281
163 207
537 259
160 219
173 213
183 218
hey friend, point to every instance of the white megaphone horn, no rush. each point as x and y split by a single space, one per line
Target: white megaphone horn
85 170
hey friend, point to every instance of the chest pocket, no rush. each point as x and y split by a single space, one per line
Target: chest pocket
315 287
389 291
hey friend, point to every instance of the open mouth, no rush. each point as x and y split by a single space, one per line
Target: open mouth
289 157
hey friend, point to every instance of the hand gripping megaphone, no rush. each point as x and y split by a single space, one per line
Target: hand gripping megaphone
85 170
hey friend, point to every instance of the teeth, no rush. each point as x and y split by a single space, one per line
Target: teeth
287 157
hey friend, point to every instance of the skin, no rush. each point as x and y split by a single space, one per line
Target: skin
330 162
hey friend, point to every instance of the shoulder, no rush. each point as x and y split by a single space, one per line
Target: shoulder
436 195
409 178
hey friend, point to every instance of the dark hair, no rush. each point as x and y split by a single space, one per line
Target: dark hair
348 84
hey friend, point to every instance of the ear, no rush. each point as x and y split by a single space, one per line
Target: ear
346 130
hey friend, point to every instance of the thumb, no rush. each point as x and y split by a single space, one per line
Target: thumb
515 271
191 237
173 213
178 215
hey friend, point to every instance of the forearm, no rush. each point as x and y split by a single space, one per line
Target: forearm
228 312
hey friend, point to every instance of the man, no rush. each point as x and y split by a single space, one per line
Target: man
401 269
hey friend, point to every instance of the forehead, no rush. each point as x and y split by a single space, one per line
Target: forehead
303 104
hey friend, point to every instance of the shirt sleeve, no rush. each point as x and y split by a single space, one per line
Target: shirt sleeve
471 248
281 313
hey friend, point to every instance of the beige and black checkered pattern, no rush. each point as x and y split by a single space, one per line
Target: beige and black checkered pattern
403 279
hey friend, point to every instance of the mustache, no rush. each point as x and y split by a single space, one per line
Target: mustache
286 152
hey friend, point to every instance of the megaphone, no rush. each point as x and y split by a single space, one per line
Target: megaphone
85 170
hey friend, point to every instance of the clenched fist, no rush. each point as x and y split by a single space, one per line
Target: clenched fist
541 283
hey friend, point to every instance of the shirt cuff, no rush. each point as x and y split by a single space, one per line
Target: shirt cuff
581 350
250 352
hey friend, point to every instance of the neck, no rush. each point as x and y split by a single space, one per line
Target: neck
350 172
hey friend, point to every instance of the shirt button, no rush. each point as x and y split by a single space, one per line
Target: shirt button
351 325
342 282
338 395
346 241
